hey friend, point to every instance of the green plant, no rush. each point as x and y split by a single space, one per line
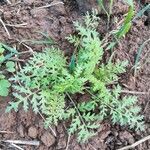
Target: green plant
47 83
125 27
122 29
9 67
109 11
137 59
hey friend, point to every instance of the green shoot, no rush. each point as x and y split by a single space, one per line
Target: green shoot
137 59
9 66
48 84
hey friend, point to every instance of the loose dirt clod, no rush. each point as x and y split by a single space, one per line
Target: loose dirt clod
126 136
20 130
7 121
47 139
61 143
32 132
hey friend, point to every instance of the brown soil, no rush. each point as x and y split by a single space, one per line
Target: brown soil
56 21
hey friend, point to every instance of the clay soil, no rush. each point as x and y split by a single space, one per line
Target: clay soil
24 19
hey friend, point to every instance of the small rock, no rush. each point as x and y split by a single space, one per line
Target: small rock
104 135
126 136
39 13
7 15
61 143
32 132
20 130
43 147
48 139
7 120
26 118
60 129
87 5
58 9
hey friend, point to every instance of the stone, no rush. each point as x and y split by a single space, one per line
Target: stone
32 132
47 139
60 128
126 136
39 13
87 5
61 143
58 9
20 130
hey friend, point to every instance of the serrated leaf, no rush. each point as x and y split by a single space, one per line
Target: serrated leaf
2 76
2 58
4 87
12 106
72 64
1 49
10 66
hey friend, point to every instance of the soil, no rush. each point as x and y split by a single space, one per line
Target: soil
24 20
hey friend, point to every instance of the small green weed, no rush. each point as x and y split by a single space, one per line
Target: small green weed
9 67
48 82
109 11
137 59
123 30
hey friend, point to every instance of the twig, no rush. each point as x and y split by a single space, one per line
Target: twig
76 109
16 59
33 143
134 92
6 132
17 25
48 126
92 147
68 142
8 1
2 10
29 48
3 24
146 106
16 146
52 4
135 144
105 40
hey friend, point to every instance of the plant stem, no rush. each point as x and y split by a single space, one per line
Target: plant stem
77 110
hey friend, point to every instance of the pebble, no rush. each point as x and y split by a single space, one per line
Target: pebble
20 130
61 143
48 139
126 136
32 132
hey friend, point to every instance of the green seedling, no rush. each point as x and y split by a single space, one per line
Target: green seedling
4 86
46 41
141 12
9 66
124 29
48 84
108 12
137 59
